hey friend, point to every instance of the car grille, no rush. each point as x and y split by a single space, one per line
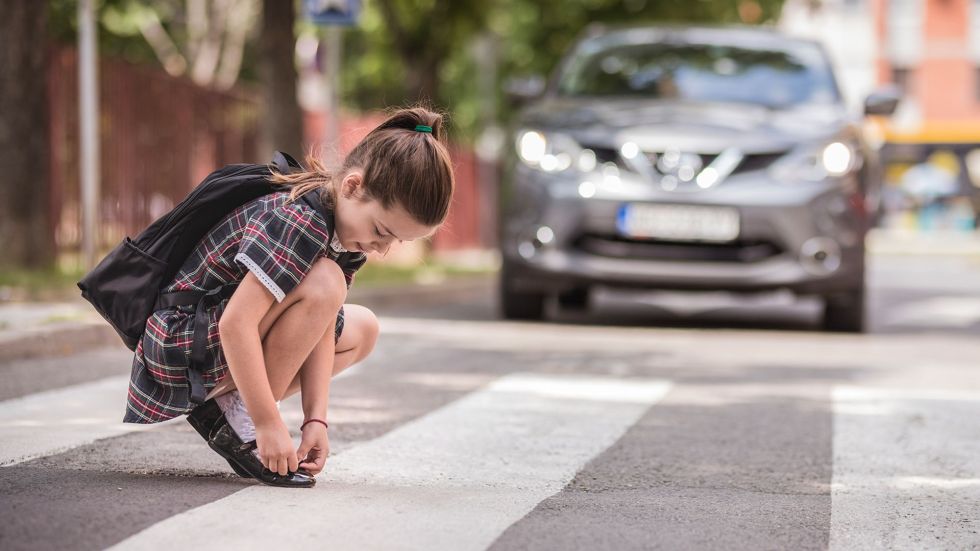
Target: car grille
605 155
653 156
621 247
753 161
757 162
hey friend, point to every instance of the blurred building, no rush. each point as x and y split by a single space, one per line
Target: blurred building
930 49
846 29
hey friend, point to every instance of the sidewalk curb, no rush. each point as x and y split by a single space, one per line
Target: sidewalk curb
401 295
911 243
64 338
57 339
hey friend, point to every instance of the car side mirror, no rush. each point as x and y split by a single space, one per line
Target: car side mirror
883 101
524 89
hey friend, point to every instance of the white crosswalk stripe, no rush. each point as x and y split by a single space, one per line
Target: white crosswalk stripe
453 479
51 422
906 472
906 469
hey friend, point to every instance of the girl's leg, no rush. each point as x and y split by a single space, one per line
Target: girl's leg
292 328
289 339
355 343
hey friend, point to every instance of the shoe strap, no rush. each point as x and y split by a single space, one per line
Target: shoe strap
248 446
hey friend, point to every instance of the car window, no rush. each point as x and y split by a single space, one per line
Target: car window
702 72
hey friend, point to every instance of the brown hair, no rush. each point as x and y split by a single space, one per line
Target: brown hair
402 166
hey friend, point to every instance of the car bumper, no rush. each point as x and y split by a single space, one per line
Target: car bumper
781 227
557 271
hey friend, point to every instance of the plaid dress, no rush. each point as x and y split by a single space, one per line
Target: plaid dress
275 240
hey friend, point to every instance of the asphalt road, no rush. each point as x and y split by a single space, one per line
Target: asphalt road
651 421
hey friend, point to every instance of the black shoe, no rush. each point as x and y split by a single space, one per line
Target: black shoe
230 446
207 418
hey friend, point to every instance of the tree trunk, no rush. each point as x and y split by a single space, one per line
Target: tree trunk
282 119
26 234
422 58
421 80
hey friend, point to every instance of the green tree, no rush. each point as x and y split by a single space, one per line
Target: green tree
205 40
425 33
538 32
403 50
406 49
282 119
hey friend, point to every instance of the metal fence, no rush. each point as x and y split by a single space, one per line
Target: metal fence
161 136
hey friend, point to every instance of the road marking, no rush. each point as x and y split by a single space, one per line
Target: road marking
906 469
453 479
51 422
945 311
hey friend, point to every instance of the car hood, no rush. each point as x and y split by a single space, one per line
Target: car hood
690 126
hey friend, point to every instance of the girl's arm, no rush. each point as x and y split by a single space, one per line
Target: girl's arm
242 345
315 377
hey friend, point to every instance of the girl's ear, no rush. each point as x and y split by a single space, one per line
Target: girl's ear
350 186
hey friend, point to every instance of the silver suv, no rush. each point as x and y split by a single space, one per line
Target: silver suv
689 159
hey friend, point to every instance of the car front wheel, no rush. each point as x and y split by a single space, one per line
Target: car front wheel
574 299
518 305
844 312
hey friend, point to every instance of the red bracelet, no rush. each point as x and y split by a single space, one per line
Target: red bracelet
308 421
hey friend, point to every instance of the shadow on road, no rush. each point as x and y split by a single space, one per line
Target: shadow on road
906 296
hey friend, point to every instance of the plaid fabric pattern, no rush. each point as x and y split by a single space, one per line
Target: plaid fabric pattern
279 242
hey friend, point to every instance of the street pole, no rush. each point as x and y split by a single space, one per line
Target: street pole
88 116
333 14
490 140
334 56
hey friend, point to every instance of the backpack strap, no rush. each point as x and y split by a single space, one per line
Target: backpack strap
201 300
284 162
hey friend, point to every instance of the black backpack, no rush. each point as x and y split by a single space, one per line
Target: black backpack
125 286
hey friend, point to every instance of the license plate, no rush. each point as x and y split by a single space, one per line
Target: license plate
678 222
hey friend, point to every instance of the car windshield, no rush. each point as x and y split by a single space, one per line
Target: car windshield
701 72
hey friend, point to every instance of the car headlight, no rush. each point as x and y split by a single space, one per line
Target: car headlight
552 152
816 162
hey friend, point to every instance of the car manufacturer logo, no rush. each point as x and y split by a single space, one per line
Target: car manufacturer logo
678 167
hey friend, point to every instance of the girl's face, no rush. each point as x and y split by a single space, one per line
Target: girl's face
367 227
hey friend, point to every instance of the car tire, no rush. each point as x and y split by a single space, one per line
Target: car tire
845 312
519 305
574 299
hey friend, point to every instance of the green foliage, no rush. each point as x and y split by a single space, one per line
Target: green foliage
372 74
119 29
396 40
381 274
118 34
54 283
546 28
532 36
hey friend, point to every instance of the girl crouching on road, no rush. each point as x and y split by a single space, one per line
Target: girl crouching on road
286 327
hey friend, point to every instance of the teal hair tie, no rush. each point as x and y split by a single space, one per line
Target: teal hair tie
423 128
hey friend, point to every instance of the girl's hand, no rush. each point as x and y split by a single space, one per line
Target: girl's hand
276 449
314 448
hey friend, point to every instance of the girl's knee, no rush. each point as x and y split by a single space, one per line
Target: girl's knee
371 330
324 286
364 325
